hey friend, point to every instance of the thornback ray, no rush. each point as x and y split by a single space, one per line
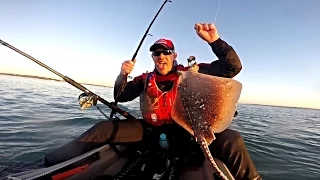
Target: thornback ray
211 101
205 105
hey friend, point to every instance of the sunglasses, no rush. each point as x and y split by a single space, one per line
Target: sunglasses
164 52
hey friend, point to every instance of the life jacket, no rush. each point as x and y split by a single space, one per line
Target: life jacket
155 105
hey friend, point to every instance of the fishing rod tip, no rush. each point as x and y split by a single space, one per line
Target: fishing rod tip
3 43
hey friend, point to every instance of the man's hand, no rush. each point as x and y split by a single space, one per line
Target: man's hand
127 67
207 32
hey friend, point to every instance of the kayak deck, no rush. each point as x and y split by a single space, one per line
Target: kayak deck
110 163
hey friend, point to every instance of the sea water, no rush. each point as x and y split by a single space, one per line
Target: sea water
39 115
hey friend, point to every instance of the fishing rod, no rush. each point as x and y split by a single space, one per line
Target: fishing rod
135 54
72 82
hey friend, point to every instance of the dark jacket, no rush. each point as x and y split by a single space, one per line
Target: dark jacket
228 65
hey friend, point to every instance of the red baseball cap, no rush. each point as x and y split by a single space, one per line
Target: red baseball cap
164 43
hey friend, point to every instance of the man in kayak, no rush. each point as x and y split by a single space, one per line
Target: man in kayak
229 146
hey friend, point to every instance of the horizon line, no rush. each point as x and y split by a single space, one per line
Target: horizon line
99 85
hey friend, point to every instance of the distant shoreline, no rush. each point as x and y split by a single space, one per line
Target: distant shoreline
45 78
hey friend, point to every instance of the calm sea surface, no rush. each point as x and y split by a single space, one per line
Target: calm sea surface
39 115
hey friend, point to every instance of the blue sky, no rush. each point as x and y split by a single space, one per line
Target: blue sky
278 41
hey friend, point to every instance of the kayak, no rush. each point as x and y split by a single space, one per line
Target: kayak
106 163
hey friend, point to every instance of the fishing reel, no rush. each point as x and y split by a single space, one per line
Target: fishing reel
191 60
86 101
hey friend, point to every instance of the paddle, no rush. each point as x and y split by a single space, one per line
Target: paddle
135 54
72 82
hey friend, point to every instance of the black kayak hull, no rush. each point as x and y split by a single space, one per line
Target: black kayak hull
108 163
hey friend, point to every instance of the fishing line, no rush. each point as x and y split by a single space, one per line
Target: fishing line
135 54
217 12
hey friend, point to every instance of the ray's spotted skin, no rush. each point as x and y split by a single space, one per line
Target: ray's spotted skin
205 105
199 134
201 130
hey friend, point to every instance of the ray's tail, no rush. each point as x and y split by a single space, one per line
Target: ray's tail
207 153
